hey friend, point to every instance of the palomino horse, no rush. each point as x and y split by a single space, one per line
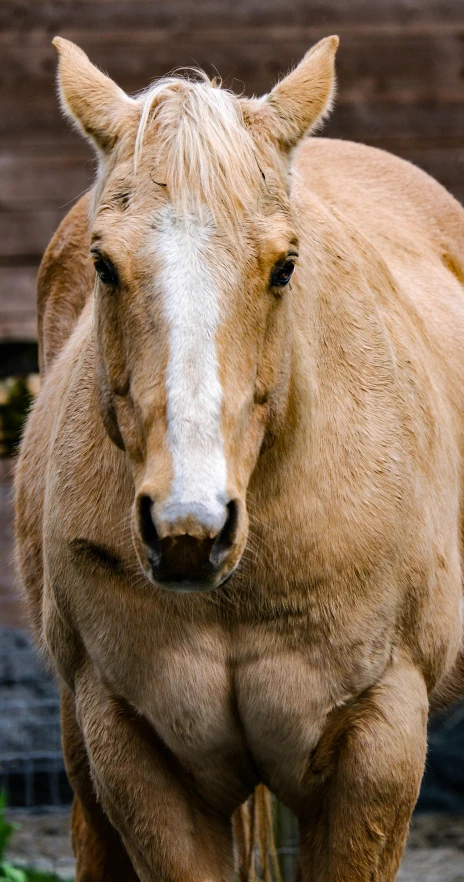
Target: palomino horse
239 489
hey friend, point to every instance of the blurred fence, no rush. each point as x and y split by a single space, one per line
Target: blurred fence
31 763
32 773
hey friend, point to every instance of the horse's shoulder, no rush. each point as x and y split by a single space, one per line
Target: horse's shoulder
64 282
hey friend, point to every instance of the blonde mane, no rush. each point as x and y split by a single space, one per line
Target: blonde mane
203 150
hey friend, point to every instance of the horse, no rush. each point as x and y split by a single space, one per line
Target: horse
239 489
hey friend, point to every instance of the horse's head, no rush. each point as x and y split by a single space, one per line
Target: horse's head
194 247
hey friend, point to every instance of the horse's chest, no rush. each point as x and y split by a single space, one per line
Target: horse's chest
186 693
230 704
224 718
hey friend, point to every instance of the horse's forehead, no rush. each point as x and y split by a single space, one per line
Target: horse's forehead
187 281
192 252
195 226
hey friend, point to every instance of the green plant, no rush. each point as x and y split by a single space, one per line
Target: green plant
16 397
8 871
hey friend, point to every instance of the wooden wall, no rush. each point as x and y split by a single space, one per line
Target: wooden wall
401 86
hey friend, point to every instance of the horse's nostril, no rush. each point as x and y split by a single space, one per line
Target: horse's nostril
226 538
185 558
147 528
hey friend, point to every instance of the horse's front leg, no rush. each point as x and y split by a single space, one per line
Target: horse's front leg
168 831
364 778
100 854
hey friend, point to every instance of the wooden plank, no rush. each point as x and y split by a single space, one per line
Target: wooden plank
398 127
17 303
389 81
58 14
25 234
27 180
404 65
21 327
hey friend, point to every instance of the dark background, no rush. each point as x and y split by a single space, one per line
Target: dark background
401 87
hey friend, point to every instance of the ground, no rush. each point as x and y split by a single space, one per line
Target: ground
435 850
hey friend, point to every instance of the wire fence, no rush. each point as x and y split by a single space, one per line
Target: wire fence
32 772
31 763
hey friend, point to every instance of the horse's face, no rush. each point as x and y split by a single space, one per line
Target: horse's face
193 340
194 248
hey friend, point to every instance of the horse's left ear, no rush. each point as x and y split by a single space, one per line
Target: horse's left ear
304 97
98 107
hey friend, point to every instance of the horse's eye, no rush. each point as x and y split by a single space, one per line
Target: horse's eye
106 271
282 273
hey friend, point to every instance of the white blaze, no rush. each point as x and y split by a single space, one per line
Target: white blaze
194 392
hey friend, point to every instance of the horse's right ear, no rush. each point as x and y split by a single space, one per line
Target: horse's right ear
89 98
300 101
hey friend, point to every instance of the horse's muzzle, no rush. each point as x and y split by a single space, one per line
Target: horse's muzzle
187 557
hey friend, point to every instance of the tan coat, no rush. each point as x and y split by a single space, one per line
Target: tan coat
312 667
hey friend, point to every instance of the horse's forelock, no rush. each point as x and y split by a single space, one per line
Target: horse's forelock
206 154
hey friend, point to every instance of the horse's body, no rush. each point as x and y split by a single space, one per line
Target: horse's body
311 669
